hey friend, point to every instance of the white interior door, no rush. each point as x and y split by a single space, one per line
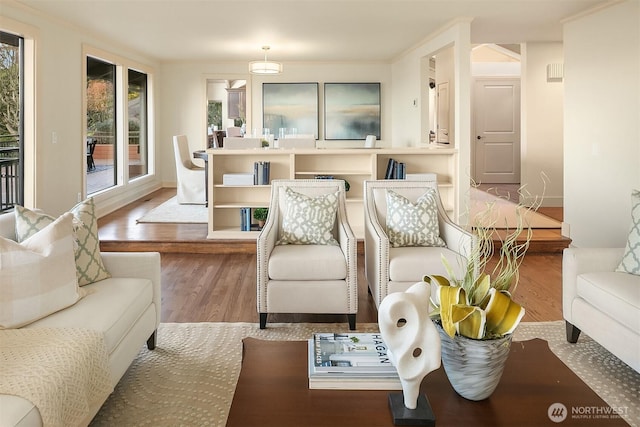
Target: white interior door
443 113
497 124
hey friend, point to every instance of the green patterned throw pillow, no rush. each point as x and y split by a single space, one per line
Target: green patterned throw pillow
631 260
308 220
89 265
413 224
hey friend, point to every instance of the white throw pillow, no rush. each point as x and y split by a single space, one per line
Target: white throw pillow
631 260
413 224
38 276
308 220
90 267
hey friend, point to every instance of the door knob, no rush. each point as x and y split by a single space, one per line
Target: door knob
478 137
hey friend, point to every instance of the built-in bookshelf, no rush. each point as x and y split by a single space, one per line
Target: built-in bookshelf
352 165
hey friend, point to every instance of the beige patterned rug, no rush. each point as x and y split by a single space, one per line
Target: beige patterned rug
190 378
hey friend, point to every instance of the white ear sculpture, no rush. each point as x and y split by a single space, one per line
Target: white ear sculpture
412 339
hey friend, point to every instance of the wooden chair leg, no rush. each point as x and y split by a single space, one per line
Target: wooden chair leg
572 333
352 321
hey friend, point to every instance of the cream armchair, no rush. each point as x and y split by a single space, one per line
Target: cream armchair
190 178
306 278
394 269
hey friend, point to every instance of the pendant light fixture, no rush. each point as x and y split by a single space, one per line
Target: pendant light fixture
265 67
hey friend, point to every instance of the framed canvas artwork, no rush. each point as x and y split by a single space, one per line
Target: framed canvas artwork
351 110
290 106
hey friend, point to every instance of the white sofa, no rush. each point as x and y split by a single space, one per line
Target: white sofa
125 308
603 303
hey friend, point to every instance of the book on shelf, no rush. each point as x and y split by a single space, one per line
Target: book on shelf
261 173
245 219
395 170
390 168
357 380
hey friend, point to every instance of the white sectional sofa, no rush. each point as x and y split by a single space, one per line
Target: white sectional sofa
601 302
125 308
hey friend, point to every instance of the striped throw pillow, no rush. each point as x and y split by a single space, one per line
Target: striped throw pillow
38 276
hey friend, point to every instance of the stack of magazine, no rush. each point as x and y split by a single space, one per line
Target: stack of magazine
351 361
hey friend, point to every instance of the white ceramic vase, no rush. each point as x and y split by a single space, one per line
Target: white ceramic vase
474 367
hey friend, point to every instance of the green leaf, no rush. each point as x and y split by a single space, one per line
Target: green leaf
480 289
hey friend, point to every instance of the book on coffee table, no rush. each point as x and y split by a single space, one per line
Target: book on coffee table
340 380
351 361
350 352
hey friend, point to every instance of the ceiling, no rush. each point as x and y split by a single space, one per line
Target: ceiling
304 30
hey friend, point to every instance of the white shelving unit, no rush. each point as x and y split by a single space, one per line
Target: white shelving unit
353 165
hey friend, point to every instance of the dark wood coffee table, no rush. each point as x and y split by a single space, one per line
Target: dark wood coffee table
273 391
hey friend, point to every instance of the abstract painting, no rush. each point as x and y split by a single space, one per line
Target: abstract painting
351 110
290 106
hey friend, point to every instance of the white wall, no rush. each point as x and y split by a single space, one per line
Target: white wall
409 79
185 111
333 73
601 127
542 123
59 172
185 85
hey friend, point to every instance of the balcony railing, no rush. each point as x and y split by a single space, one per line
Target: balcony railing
9 171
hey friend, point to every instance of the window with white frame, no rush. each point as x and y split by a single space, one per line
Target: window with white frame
11 121
117 123
137 124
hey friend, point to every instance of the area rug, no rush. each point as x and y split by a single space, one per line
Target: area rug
174 212
503 211
190 378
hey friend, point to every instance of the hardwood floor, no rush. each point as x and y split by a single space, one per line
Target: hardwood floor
215 281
